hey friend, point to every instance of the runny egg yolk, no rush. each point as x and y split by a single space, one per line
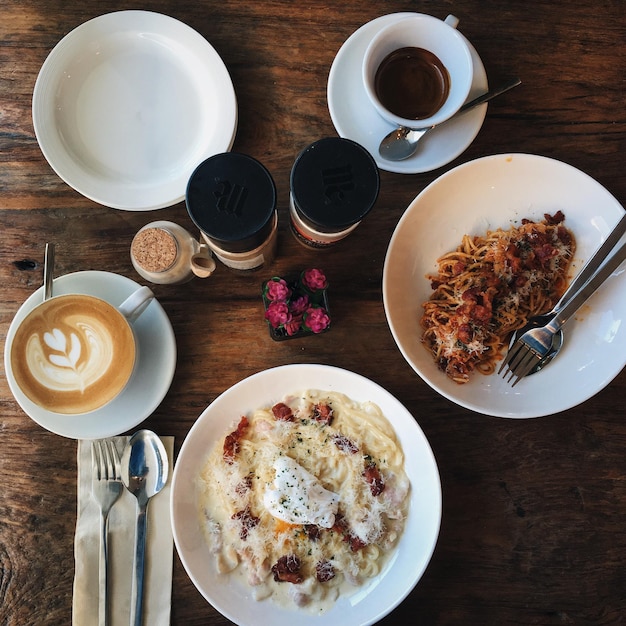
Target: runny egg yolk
297 497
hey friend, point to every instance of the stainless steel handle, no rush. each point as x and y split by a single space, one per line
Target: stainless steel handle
140 560
588 289
593 263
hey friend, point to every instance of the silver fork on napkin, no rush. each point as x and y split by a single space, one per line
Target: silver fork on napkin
106 488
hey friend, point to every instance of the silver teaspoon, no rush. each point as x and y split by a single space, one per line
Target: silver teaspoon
144 473
402 142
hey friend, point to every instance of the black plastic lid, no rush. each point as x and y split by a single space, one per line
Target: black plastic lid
334 184
231 198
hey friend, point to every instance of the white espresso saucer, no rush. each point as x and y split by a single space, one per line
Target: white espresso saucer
152 377
355 118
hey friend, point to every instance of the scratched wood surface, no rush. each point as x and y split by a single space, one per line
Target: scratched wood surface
533 510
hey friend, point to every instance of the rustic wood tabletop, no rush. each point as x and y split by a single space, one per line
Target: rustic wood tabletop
532 528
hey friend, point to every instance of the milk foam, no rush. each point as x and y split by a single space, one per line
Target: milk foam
70 359
73 354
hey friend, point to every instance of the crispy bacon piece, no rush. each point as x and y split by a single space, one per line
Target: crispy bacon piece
465 333
248 522
564 236
231 441
480 314
344 444
324 571
545 252
513 258
557 218
323 413
312 531
341 527
282 412
374 478
287 569
244 485
458 268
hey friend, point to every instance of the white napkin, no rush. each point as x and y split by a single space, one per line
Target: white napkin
122 524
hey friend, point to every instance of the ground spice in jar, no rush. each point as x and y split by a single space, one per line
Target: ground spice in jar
154 249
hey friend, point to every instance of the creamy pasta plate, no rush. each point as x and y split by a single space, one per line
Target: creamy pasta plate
229 592
498 192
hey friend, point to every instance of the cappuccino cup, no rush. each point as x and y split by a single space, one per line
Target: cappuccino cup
74 353
418 71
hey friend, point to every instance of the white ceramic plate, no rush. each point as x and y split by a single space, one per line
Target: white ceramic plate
488 193
355 118
377 598
128 104
152 377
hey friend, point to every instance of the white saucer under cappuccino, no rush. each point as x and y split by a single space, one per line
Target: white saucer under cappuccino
74 353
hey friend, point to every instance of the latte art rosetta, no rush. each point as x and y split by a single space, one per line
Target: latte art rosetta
73 358
73 354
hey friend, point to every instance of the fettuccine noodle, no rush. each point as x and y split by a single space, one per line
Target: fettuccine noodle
303 541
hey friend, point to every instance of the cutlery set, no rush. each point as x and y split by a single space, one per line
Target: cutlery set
534 344
143 469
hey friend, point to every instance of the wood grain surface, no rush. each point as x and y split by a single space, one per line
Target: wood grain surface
533 528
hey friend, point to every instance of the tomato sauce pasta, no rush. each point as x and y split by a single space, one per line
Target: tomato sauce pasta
306 499
490 286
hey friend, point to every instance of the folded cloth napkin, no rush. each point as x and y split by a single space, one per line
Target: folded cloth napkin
122 525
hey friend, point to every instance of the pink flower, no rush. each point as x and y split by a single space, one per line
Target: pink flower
314 279
292 327
317 319
299 305
276 290
278 314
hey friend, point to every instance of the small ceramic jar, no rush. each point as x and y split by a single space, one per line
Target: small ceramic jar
165 253
231 197
334 185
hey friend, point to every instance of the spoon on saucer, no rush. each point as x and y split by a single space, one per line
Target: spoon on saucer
402 142
144 471
48 270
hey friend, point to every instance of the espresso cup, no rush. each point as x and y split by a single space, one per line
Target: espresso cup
418 71
75 353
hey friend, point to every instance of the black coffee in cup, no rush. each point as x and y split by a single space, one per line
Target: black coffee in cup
412 83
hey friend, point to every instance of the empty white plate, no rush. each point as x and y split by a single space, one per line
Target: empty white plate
128 104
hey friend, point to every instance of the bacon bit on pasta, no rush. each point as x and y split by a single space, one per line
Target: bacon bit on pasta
312 531
344 444
244 485
323 413
248 522
341 527
374 478
557 218
324 571
231 441
287 569
282 412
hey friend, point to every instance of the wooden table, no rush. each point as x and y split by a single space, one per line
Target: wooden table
533 510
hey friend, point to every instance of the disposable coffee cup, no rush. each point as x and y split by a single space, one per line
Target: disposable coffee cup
74 353
417 72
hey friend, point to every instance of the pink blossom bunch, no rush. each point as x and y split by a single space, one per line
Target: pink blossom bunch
296 308
313 280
